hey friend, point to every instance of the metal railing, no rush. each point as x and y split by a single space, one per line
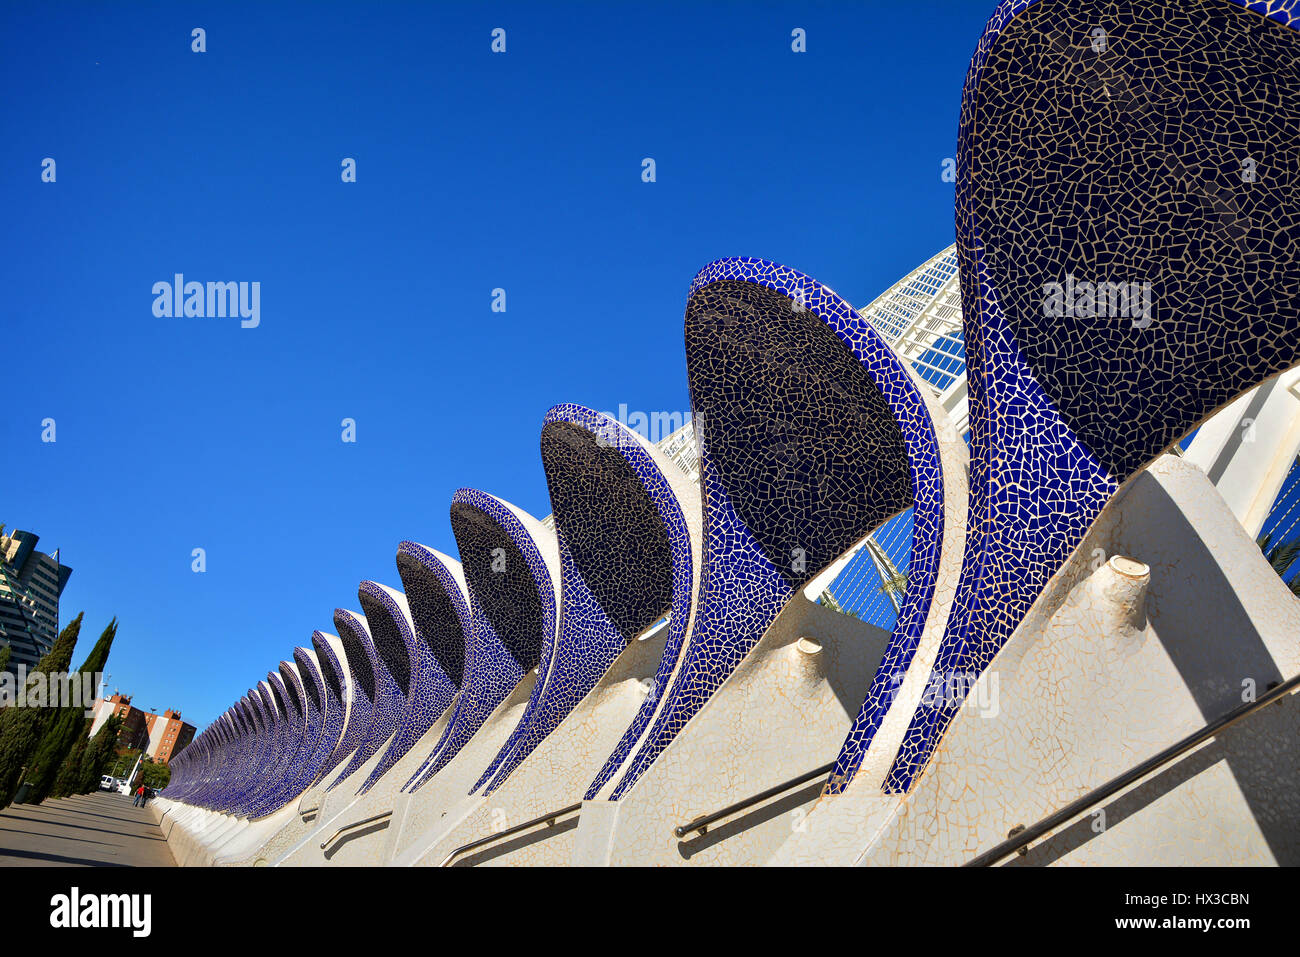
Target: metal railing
548 819
701 824
353 826
1021 837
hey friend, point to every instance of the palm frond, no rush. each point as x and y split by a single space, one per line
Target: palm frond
1282 556
895 583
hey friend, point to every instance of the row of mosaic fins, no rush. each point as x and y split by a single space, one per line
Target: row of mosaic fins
811 432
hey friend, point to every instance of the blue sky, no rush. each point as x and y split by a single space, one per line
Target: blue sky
475 171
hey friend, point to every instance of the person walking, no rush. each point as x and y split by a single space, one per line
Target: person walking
139 797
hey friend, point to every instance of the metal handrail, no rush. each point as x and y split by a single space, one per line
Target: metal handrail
1021 837
701 824
548 818
353 826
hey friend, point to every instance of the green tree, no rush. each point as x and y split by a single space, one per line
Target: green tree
21 728
6 651
68 779
155 775
68 723
124 762
100 754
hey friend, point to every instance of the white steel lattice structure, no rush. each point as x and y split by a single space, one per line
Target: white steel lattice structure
920 316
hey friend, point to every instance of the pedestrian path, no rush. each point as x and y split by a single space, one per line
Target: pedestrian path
101 829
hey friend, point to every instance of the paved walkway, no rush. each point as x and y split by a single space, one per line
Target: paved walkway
101 829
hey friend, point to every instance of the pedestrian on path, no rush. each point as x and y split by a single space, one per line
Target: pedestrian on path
139 797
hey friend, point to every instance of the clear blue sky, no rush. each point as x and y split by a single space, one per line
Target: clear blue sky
474 171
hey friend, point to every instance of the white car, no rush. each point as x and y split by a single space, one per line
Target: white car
108 783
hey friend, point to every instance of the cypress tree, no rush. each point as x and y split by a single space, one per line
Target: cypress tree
69 777
6 651
67 725
99 754
21 728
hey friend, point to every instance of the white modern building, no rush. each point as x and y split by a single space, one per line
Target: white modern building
920 316
30 585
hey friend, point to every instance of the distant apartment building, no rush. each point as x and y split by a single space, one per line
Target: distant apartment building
133 733
161 736
168 735
30 585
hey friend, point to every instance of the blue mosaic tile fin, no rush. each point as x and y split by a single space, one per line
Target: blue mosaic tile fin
375 690
939 535
320 735
428 689
1125 230
246 747
345 710
617 522
291 743
225 757
305 764
229 759
439 602
185 774
219 745
686 545
505 556
266 771
243 738
255 751
286 732
260 750
801 455
199 770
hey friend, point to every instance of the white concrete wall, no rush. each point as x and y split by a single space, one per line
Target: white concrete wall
1112 665
783 712
555 775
